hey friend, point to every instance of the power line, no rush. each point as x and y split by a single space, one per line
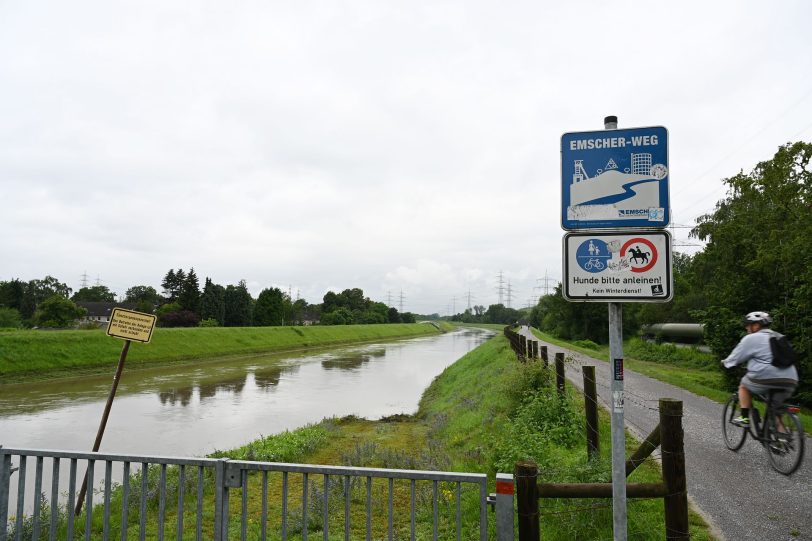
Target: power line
501 286
509 294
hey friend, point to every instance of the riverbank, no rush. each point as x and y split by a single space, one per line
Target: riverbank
33 355
482 414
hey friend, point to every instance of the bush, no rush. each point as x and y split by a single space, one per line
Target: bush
586 344
10 318
181 318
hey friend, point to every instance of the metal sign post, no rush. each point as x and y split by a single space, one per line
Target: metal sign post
129 326
619 519
615 202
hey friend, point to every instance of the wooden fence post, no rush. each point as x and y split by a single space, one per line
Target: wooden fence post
559 372
544 356
673 460
535 349
593 445
527 500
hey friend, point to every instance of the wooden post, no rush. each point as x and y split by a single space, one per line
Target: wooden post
522 345
673 459
648 446
593 445
105 415
535 349
559 372
544 356
527 500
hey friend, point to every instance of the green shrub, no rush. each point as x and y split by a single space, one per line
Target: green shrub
587 344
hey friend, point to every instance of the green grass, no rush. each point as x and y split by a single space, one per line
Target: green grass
482 414
29 355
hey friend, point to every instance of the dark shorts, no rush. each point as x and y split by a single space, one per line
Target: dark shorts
781 392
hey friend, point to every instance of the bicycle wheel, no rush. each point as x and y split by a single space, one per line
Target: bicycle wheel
734 435
785 449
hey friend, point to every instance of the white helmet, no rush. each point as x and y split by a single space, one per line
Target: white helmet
763 318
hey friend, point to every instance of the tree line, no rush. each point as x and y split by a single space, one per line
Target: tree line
495 313
183 303
756 256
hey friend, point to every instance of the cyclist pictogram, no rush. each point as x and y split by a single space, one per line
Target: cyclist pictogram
593 255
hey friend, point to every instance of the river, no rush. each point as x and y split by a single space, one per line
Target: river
192 409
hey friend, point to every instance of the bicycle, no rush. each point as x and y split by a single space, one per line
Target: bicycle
784 449
596 264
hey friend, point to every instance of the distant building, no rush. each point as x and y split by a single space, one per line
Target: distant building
99 312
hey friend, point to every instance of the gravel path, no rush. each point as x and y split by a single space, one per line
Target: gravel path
739 493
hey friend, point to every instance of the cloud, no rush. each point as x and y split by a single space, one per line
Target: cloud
361 144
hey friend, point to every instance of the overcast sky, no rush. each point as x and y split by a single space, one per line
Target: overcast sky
393 146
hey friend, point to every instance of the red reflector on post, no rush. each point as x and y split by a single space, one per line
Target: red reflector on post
504 487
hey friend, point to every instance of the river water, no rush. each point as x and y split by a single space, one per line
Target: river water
197 408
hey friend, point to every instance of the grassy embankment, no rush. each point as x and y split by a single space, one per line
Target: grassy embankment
482 414
687 368
27 355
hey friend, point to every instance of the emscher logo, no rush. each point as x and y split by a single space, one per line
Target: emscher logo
623 213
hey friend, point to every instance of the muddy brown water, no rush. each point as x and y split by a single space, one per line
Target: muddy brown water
195 409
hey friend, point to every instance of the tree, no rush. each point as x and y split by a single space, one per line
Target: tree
57 311
97 293
173 284
189 293
36 291
213 302
145 298
757 254
299 309
573 320
393 316
498 313
238 305
12 293
10 318
269 308
339 316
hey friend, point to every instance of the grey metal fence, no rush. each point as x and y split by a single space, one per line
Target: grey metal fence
151 497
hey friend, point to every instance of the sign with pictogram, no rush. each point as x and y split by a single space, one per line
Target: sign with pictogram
618 267
615 179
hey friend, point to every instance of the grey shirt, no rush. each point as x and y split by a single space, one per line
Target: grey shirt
754 349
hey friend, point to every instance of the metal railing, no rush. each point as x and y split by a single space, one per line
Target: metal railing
190 498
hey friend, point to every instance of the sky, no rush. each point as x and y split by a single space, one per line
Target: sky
411 149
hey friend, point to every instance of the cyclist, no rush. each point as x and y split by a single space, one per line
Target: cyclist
762 376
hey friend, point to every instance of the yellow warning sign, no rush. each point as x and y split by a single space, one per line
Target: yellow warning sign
131 325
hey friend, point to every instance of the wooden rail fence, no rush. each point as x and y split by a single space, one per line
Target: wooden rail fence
668 435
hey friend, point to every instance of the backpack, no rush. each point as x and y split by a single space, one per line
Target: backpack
783 354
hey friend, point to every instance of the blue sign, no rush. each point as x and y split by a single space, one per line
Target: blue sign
593 255
615 179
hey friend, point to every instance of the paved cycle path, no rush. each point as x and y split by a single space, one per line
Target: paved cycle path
739 493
